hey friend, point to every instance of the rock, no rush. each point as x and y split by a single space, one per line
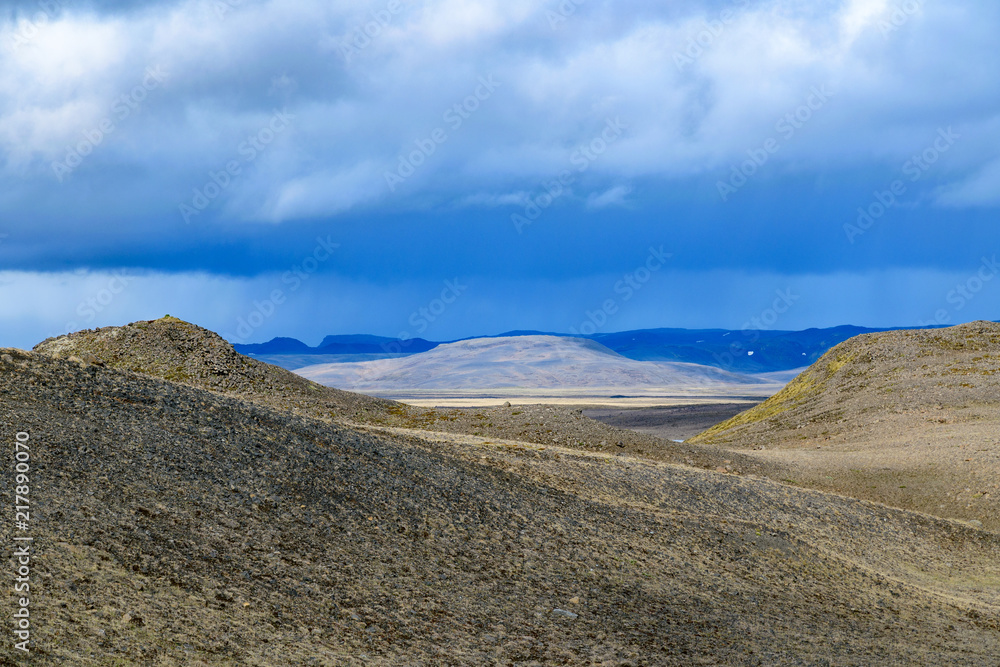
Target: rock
574 600
89 358
565 614
506 404
976 524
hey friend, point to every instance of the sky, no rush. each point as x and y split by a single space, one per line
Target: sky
445 169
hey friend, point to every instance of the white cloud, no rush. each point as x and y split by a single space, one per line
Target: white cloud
558 88
981 189
615 196
324 193
494 200
858 16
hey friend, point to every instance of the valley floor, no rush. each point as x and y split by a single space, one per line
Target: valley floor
620 398
670 421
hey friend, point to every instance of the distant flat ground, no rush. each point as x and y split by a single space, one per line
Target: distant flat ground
671 422
616 398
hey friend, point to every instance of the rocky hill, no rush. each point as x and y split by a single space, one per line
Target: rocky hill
178 526
910 418
179 351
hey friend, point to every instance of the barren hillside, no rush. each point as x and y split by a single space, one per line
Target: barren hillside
179 351
910 418
177 526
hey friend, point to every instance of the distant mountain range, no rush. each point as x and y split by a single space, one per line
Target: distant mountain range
746 351
743 351
349 344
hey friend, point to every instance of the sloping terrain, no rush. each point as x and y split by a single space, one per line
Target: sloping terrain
524 361
909 418
179 351
177 526
294 362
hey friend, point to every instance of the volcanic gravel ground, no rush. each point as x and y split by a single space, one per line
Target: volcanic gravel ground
670 422
176 526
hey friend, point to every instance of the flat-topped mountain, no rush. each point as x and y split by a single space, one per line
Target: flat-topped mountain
358 344
911 418
539 362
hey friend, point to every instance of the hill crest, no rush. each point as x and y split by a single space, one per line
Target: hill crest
179 351
859 368
905 418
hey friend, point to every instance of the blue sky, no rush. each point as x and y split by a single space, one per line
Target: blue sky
447 168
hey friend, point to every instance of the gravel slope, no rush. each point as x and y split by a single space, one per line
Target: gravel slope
179 351
177 526
906 418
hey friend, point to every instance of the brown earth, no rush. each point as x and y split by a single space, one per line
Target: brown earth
175 525
179 351
906 418
178 526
